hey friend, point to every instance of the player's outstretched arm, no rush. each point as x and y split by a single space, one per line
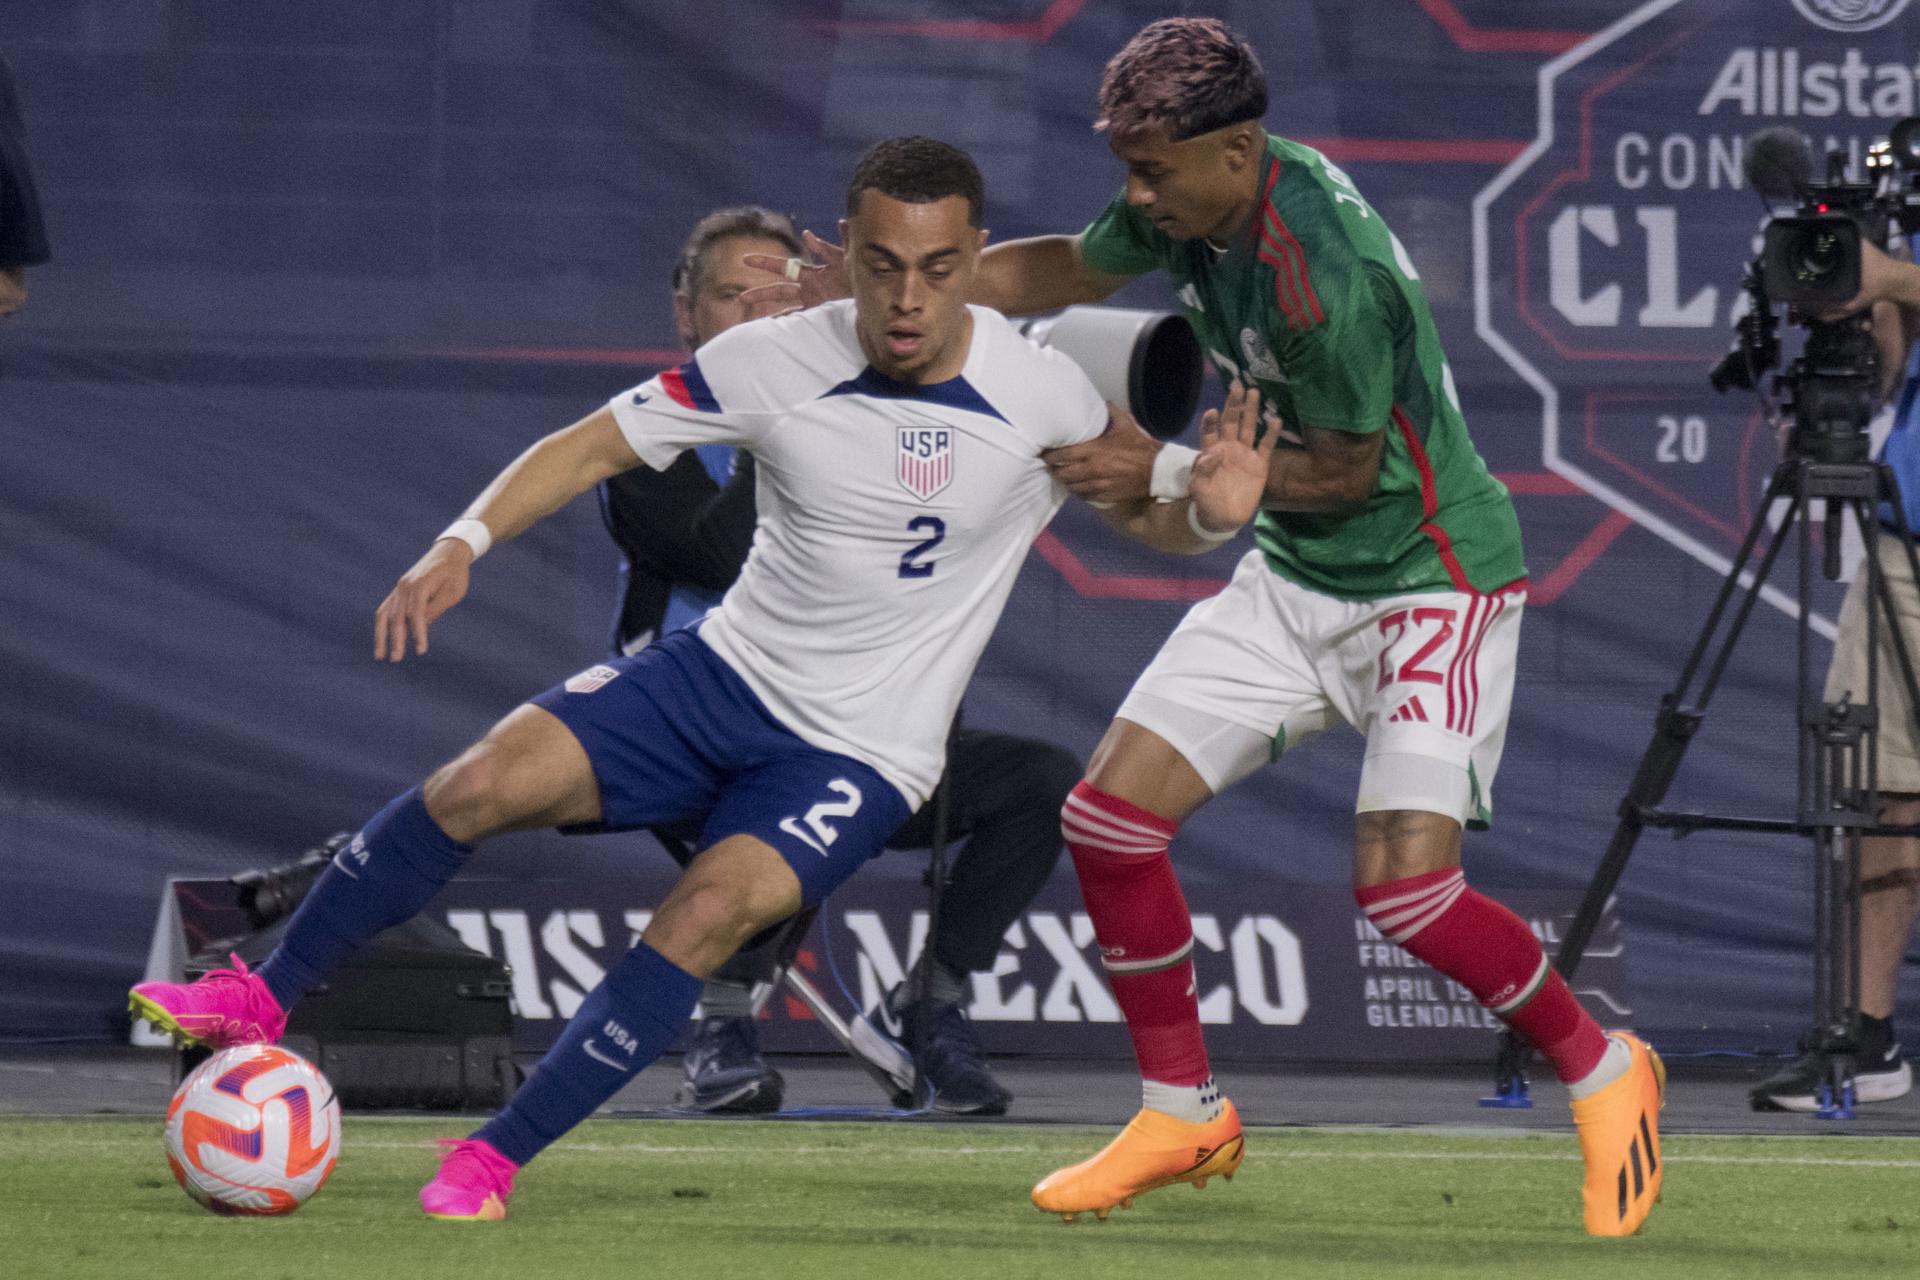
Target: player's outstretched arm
1228 483
539 482
1115 466
1042 273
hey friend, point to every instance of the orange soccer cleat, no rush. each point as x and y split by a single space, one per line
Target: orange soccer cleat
1620 1141
1154 1150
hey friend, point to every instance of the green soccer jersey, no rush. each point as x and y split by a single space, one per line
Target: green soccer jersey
1319 307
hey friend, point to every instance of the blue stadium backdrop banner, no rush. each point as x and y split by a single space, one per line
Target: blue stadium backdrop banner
320 270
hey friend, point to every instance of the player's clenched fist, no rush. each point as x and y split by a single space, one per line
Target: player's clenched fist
1230 475
437 582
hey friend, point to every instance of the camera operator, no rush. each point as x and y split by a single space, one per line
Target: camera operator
1889 865
686 533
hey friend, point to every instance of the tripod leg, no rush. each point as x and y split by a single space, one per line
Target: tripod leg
1836 957
1673 730
1674 727
1783 484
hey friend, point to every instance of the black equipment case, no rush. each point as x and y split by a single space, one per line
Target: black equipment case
414 1019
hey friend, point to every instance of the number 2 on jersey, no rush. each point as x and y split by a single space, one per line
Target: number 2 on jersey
911 566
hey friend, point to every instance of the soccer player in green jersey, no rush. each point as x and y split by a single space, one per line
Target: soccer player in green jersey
1386 591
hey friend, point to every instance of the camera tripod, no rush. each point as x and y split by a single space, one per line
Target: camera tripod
1838 792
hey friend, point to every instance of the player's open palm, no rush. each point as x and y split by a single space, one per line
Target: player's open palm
437 582
1230 475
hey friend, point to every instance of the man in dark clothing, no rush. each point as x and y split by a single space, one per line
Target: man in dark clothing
23 238
686 532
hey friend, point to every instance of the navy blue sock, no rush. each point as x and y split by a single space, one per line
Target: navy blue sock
630 1019
390 871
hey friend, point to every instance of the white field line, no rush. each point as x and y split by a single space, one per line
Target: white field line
1500 1137
808 1152
1264 1132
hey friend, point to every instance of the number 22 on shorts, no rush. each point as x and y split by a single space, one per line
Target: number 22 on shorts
1436 625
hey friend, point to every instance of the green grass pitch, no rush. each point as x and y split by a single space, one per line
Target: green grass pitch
92 1197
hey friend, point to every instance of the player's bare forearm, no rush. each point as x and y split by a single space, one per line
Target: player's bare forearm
1043 273
551 473
1225 487
13 289
540 481
1164 526
1902 283
1892 331
1337 470
1910 309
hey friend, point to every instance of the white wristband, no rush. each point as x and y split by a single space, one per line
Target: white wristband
1172 472
472 532
1201 531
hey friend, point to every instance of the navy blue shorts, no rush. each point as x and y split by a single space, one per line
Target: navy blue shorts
676 737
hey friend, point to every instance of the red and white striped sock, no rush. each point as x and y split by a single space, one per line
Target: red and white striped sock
1490 951
1146 944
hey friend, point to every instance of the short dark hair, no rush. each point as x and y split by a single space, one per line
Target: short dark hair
1188 75
723 224
918 171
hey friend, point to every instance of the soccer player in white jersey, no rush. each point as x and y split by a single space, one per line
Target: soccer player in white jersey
1388 581
898 440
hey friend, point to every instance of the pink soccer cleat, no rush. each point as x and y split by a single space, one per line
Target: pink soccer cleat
224 1008
473 1183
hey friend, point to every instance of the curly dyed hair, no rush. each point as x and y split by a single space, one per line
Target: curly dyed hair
1188 75
918 171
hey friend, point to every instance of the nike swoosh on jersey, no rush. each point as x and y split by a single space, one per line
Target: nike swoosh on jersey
344 869
640 399
598 1056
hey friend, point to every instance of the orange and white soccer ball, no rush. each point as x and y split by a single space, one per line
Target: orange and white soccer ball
254 1130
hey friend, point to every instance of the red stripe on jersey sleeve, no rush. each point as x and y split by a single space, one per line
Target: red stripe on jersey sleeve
1430 502
1286 271
1288 268
1300 255
676 388
1283 288
1271 245
1273 176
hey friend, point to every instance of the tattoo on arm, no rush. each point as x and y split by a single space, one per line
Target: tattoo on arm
1336 469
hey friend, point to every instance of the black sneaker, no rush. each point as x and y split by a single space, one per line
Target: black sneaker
725 1071
1881 1074
952 1062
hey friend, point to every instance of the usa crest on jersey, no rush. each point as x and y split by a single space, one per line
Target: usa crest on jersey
925 463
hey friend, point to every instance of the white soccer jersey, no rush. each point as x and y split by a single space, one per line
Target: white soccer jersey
893 518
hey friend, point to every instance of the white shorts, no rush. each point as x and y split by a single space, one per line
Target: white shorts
1847 676
1266 664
